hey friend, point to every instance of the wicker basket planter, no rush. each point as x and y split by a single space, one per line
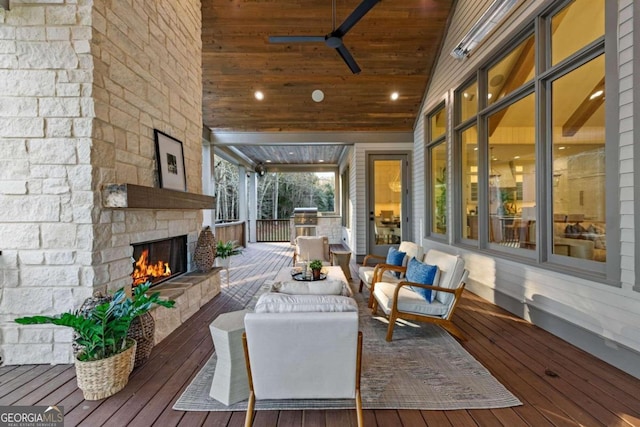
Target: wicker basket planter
102 378
142 330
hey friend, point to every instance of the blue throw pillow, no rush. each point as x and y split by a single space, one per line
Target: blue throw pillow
395 257
424 274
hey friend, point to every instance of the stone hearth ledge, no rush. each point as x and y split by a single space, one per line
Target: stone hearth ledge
190 292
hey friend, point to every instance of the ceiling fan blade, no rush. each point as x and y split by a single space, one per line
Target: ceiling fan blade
295 39
355 16
348 59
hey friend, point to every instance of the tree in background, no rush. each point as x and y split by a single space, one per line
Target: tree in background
278 193
226 176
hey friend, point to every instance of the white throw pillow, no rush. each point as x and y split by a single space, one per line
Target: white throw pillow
283 303
318 287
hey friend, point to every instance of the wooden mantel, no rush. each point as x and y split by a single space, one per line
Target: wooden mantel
133 196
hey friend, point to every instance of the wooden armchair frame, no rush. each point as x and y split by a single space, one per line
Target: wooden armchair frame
444 322
365 262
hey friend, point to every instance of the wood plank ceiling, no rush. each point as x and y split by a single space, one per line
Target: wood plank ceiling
395 44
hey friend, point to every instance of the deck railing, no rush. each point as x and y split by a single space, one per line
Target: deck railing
272 230
226 231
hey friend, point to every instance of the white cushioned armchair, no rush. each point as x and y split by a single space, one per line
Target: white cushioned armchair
380 271
400 301
304 347
309 248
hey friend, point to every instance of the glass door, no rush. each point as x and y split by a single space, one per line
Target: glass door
387 196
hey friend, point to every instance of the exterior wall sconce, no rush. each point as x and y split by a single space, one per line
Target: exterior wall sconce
260 169
487 22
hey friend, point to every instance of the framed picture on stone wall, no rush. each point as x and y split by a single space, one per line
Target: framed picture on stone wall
170 160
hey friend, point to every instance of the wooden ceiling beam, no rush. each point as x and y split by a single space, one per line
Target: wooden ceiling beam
584 110
519 72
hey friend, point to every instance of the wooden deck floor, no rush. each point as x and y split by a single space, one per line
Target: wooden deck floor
559 384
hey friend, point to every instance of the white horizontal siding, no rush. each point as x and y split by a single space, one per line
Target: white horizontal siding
625 114
608 311
418 187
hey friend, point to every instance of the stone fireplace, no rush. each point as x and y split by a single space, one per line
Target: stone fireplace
78 111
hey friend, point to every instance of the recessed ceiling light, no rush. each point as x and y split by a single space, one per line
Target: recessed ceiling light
321 161
596 94
291 153
259 95
516 157
475 149
489 96
466 95
395 96
562 147
268 161
317 95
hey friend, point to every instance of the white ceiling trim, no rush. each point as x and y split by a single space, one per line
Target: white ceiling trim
317 138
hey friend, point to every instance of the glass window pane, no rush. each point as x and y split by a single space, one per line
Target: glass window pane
512 168
515 69
438 124
575 26
468 101
578 120
388 201
439 188
469 141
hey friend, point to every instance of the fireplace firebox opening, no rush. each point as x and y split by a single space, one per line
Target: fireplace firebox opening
159 260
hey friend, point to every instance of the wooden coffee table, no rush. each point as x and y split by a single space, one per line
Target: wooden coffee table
332 272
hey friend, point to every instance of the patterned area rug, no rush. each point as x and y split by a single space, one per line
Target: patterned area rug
422 368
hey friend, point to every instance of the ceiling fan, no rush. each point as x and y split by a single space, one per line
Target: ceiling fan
334 38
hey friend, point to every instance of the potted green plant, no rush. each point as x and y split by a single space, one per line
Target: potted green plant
315 266
106 355
224 251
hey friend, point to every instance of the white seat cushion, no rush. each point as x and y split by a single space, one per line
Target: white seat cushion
408 301
366 275
451 272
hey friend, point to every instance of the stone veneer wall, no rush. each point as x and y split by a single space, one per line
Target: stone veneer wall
82 86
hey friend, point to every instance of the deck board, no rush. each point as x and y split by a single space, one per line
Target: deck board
559 384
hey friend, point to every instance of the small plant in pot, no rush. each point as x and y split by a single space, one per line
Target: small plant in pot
316 267
107 356
224 251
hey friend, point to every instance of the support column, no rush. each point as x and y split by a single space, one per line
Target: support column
208 182
253 206
242 199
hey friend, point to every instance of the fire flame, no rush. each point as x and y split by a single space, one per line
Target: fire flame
143 271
